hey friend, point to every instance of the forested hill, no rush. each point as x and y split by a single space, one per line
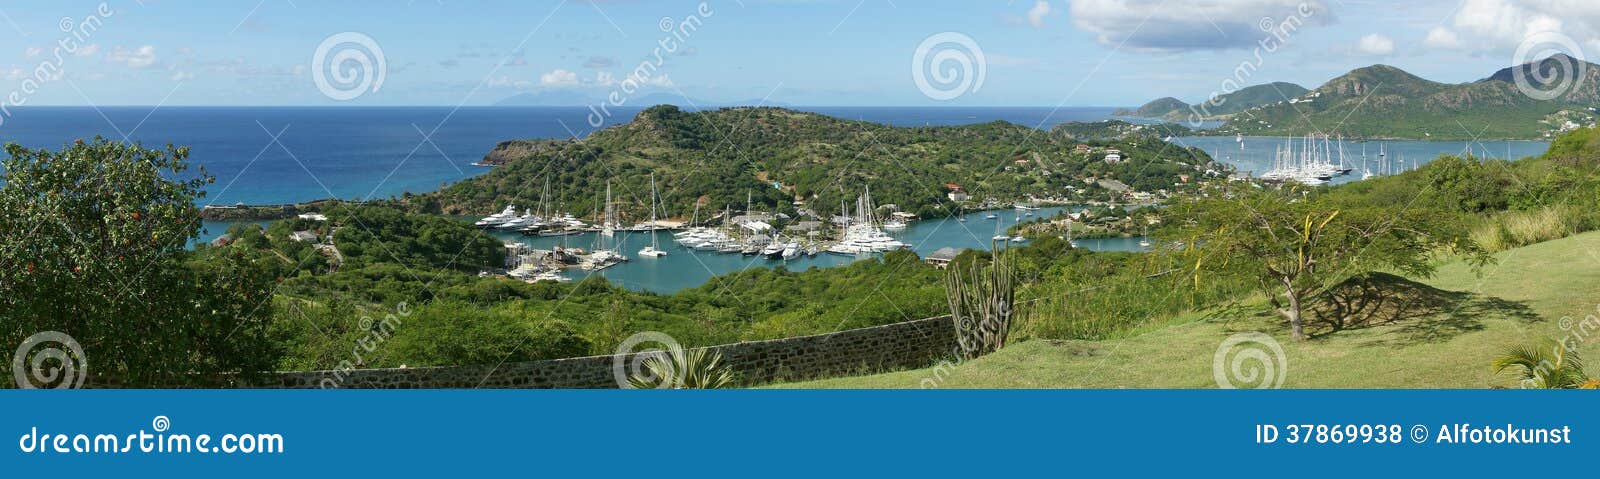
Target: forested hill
778 156
1382 101
1220 107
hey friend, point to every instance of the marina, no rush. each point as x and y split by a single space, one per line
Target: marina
688 267
1259 155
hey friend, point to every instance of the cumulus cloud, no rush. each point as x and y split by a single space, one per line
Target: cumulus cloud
1441 38
559 77
142 57
1179 25
1037 13
1502 25
1375 45
88 50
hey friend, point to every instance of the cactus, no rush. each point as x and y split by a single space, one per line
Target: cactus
981 303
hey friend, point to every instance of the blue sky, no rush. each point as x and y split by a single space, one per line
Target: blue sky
804 52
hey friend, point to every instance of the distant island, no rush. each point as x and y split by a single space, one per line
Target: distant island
1382 101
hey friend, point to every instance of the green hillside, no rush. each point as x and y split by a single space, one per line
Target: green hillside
1382 101
779 156
1441 335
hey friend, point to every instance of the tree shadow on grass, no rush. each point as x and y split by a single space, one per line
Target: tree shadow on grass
1423 314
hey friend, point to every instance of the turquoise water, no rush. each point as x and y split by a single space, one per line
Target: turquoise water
687 268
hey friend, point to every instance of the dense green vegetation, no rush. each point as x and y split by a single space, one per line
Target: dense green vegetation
778 156
94 248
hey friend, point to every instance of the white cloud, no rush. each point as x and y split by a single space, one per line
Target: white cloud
1037 13
1178 25
182 76
559 77
142 57
1375 45
1442 38
1502 25
31 52
88 50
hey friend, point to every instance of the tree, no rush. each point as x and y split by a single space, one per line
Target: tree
1296 245
1545 364
95 247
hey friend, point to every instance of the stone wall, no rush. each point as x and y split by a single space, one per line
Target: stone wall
909 344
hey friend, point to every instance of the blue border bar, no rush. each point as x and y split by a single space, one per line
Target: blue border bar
758 433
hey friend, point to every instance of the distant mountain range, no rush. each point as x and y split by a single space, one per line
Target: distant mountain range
568 97
1382 101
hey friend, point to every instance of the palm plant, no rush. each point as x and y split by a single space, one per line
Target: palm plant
683 369
1546 364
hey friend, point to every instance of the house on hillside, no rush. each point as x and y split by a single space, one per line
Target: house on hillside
942 257
955 193
1113 156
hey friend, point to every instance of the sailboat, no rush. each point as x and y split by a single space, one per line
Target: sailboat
608 225
1144 240
654 250
1000 230
1019 238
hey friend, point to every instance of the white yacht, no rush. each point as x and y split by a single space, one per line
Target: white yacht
498 219
551 276
861 236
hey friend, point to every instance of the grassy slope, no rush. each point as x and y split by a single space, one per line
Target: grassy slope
1521 297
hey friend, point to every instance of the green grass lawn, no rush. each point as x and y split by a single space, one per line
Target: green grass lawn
1442 334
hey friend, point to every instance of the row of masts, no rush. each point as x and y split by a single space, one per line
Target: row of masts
1315 161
